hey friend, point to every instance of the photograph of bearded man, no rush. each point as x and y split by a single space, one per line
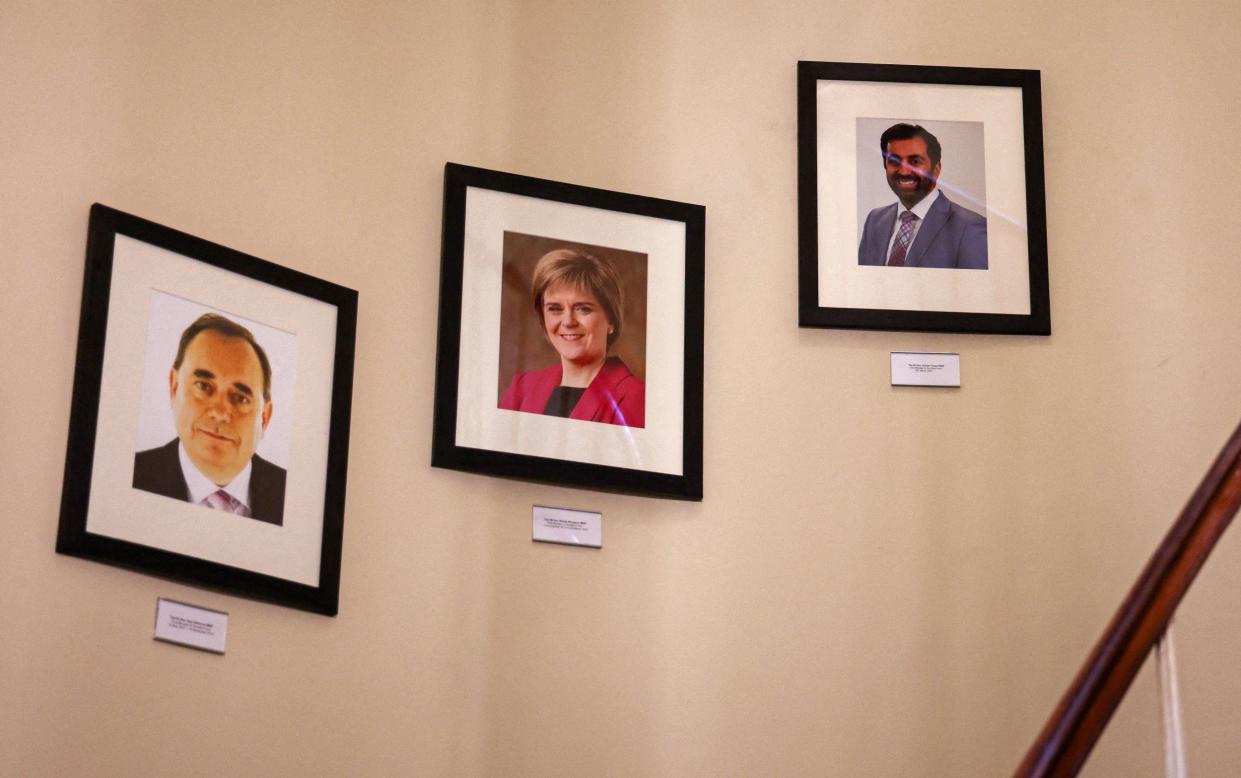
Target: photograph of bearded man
924 228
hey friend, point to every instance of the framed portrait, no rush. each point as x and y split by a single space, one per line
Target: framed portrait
920 199
570 335
209 433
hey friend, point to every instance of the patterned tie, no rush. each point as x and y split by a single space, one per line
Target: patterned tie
223 501
904 237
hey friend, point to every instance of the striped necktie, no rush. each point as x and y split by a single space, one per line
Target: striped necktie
223 501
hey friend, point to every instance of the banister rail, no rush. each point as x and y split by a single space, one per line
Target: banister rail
1077 722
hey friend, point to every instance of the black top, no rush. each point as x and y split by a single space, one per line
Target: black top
563 400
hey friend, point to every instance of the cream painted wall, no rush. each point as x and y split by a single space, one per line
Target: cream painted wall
880 581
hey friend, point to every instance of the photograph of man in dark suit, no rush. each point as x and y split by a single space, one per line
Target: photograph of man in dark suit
220 391
924 228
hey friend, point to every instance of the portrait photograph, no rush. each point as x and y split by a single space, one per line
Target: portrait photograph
217 407
211 413
920 199
903 160
573 331
570 338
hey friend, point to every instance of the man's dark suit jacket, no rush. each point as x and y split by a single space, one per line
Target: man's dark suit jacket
950 236
158 470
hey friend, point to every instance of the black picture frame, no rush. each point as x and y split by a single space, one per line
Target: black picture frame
480 207
97 495
840 105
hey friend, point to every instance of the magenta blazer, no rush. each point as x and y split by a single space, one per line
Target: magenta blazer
614 397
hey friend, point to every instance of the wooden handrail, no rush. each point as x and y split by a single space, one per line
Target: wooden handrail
1077 722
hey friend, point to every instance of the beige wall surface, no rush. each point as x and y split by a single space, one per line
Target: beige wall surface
879 582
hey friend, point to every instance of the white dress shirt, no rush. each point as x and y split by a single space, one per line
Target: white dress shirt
201 486
918 210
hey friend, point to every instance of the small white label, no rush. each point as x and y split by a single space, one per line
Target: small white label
187 625
572 528
911 368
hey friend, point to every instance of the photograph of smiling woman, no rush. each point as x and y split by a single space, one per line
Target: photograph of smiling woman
579 303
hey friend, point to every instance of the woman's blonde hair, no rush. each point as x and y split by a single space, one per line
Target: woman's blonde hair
584 271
